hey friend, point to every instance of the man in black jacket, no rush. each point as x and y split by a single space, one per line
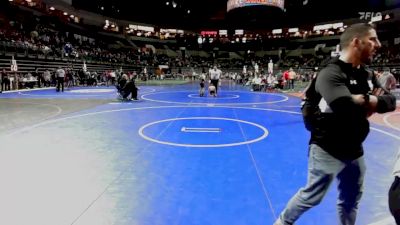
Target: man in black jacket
394 192
336 140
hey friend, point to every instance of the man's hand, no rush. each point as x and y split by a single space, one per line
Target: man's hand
358 99
370 104
378 91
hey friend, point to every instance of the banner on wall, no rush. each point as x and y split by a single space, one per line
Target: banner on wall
233 4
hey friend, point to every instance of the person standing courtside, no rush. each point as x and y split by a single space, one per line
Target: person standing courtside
215 75
394 192
202 88
387 80
60 73
335 149
35 74
1 81
5 81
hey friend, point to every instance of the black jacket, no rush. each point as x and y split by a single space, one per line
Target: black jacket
342 126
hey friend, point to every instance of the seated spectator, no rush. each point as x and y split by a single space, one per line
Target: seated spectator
256 83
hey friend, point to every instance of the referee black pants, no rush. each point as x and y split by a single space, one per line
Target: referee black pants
394 199
60 84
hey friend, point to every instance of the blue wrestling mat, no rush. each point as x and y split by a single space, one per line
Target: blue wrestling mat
174 158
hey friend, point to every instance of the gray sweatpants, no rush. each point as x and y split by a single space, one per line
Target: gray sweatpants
322 169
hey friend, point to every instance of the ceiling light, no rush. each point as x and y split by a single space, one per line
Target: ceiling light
52 8
65 14
167 3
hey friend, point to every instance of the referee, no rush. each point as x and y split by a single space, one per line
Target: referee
60 74
215 75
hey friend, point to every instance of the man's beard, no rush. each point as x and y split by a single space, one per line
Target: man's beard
367 59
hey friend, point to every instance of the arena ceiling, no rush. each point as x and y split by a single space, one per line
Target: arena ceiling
198 14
